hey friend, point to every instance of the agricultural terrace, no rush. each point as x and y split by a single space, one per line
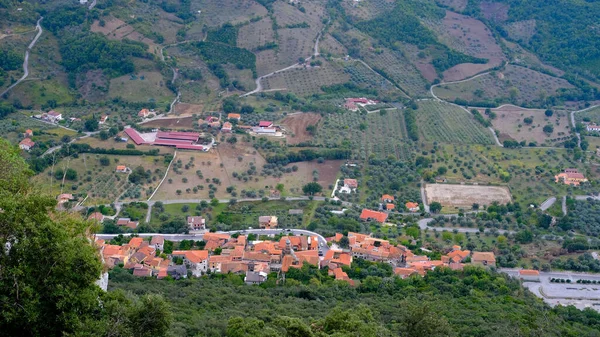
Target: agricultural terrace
364 77
367 10
236 171
513 84
184 123
216 13
471 37
591 115
305 81
144 86
442 122
242 215
398 69
515 123
115 29
14 125
95 177
256 34
529 172
328 45
381 134
300 125
453 197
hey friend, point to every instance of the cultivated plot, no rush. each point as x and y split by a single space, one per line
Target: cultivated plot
464 196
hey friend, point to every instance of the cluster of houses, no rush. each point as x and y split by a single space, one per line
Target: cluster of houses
570 177
224 253
26 144
352 104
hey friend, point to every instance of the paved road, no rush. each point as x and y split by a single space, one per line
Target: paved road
92 5
573 276
199 236
548 203
38 27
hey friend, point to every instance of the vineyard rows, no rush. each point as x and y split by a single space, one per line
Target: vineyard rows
307 81
450 124
365 78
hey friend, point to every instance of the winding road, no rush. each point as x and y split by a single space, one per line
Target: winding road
573 122
38 27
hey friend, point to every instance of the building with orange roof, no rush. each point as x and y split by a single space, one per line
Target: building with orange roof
390 207
121 169
135 242
144 113
267 221
158 242
268 247
529 275
412 206
234 116
96 216
216 236
28 133
142 272
458 255
215 262
162 273
298 243
387 198
486 259
367 215
416 258
26 144
340 275
405 272
337 257
196 260
338 237
570 177
227 127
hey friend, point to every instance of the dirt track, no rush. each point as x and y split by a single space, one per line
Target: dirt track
297 124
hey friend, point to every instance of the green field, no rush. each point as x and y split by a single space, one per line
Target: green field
144 86
442 122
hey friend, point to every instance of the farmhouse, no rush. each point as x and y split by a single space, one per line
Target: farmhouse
387 198
235 116
54 116
226 127
570 177
121 169
26 144
390 207
592 127
529 275
267 221
28 133
103 119
196 223
368 214
412 206
64 198
144 113
126 222
487 259
265 124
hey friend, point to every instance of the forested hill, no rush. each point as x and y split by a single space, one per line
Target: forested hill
443 303
566 33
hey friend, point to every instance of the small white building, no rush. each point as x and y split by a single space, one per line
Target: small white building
196 223
158 242
26 144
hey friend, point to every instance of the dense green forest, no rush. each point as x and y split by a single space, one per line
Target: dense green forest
444 303
220 53
566 32
403 24
225 34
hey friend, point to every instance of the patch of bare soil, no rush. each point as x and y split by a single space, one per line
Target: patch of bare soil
296 124
171 123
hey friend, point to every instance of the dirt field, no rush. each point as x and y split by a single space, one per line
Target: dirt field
509 122
116 29
146 86
306 81
471 37
296 125
464 196
229 155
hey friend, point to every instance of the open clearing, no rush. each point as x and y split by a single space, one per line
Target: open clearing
513 84
145 86
216 13
116 29
256 34
464 196
171 123
223 164
510 123
448 123
306 81
297 124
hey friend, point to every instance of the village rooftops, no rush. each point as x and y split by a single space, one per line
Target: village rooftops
234 116
27 143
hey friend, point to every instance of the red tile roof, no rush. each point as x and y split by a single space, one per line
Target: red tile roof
369 214
135 136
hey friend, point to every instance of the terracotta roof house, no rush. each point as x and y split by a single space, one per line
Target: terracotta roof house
390 207
64 198
28 133
350 183
26 144
368 214
570 177
196 223
54 116
487 259
265 124
405 272
127 223
226 127
96 216
144 113
267 221
529 275
234 116
340 275
121 169
337 257
592 127
142 272
387 198
458 255
412 206
196 260
158 242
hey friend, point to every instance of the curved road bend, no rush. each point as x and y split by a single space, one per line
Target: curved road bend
38 27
